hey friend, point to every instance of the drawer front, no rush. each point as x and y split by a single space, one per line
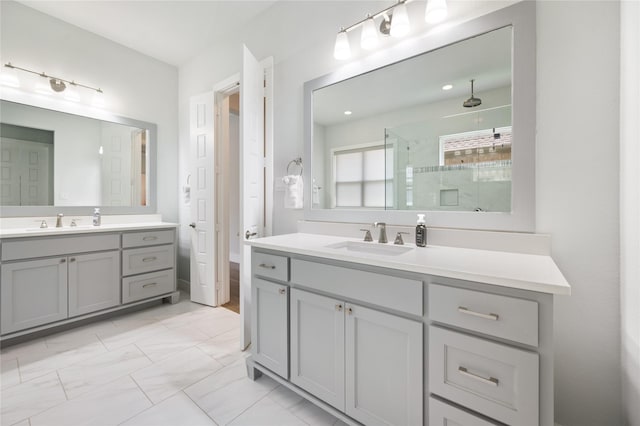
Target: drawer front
443 414
138 261
500 316
270 266
496 380
401 294
147 285
148 238
56 246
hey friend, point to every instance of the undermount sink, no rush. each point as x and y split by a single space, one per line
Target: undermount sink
53 228
371 248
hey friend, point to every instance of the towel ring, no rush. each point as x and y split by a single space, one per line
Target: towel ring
297 162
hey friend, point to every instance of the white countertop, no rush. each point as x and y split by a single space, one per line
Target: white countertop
81 229
515 270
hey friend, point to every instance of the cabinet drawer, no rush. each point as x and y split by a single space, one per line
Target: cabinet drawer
496 380
270 266
443 414
401 294
147 285
148 238
138 261
500 316
56 246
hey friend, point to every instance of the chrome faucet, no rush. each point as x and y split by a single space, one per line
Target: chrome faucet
382 238
59 220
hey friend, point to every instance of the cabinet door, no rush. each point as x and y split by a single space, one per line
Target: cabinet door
383 368
33 293
270 325
317 346
94 282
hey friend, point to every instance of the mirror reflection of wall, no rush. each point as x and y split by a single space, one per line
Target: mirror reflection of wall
85 162
408 111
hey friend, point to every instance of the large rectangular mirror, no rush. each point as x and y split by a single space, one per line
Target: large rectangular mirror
56 162
387 139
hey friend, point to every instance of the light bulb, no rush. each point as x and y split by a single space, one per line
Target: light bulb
400 21
9 78
369 38
98 100
436 11
101 150
342 50
71 95
43 88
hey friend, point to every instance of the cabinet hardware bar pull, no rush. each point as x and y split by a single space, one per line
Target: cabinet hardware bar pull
490 381
464 310
63 260
149 285
151 238
264 265
149 259
73 259
282 291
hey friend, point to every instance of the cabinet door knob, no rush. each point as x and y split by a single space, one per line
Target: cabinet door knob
349 311
282 291
63 260
339 307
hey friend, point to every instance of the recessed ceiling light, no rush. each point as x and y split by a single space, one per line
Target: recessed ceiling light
348 112
447 87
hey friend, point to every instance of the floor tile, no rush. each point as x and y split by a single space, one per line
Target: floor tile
176 410
77 337
30 398
165 378
225 347
31 346
267 413
107 405
39 363
165 343
10 375
86 375
312 414
226 395
129 332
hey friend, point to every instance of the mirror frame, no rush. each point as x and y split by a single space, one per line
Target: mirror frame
150 208
521 17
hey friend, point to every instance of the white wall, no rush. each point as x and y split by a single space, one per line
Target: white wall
135 86
577 200
630 208
576 169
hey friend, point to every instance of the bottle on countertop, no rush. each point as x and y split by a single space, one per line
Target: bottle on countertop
421 231
96 217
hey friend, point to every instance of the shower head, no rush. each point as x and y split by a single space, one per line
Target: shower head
472 101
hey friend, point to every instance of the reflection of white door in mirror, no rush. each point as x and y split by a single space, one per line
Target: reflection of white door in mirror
26 176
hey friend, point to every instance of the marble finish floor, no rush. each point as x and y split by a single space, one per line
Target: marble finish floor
173 365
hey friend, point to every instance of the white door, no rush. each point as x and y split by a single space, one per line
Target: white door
251 176
25 173
203 285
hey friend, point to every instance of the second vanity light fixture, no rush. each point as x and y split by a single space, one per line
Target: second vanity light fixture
56 84
395 22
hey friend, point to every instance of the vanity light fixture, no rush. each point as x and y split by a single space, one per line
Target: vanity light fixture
472 101
56 84
10 78
395 22
348 112
447 87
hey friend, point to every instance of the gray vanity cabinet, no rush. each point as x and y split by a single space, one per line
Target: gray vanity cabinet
269 325
362 361
34 292
94 282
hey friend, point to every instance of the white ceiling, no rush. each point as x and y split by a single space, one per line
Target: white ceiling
171 31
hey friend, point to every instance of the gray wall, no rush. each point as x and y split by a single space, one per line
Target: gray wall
576 169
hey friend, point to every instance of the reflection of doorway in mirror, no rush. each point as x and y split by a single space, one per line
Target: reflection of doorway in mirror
138 167
26 170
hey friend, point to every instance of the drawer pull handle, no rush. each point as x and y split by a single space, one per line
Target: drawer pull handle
265 266
151 238
282 291
464 310
149 285
149 259
490 381
73 259
63 260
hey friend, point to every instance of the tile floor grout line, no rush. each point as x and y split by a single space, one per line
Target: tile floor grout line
62 386
199 407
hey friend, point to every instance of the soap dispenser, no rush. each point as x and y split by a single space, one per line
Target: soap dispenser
96 217
421 231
